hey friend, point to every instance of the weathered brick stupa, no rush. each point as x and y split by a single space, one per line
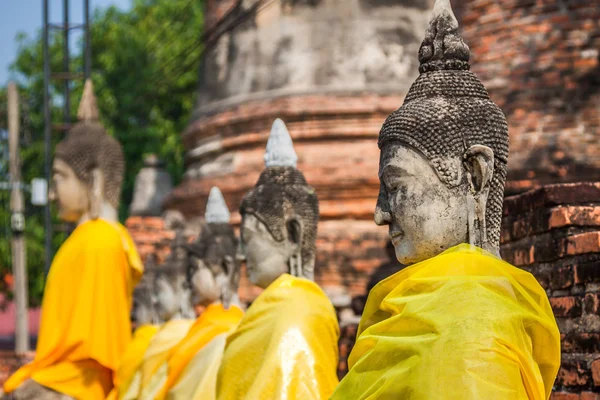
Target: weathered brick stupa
332 70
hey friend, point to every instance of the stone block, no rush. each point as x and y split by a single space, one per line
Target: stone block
573 374
591 303
581 343
568 306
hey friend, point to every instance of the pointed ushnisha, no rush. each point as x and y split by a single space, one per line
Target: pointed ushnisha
88 108
280 148
443 48
216 208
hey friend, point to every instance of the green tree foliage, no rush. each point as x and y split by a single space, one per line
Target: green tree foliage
145 70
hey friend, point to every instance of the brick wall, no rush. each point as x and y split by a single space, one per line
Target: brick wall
150 236
554 232
539 60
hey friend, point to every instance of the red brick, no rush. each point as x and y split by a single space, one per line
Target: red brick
590 396
591 303
587 272
573 374
596 372
568 306
581 342
588 242
564 396
561 277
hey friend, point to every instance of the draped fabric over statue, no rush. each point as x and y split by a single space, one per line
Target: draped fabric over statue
154 366
214 320
285 348
463 325
132 359
198 380
85 325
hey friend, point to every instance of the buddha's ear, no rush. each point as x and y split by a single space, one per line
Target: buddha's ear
96 192
479 163
295 231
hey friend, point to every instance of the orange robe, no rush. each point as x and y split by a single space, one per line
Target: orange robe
214 321
85 325
285 347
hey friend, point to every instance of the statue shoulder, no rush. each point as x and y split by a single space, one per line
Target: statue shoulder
98 235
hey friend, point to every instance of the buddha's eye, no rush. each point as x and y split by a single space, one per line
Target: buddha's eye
392 184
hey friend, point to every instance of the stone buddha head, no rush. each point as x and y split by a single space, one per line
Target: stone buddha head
214 270
88 168
443 153
143 310
170 286
279 216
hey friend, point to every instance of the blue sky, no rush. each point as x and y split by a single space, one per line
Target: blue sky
26 16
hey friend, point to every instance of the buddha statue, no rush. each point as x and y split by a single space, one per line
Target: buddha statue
213 275
143 310
173 293
173 310
85 324
285 346
442 170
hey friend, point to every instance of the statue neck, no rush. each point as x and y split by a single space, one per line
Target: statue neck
235 301
107 213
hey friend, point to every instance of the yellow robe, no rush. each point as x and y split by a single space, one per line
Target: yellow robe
285 348
463 325
154 363
132 359
214 321
85 326
198 380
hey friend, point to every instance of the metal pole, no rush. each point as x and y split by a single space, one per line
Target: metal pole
88 43
18 224
66 62
47 139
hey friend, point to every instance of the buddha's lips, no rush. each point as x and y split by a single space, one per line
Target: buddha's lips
395 236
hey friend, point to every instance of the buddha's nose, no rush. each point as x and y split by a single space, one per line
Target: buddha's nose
382 217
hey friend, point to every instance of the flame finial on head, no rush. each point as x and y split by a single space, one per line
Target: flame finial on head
88 107
216 208
443 47
280 148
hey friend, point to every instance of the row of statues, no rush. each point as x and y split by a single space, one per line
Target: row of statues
457 323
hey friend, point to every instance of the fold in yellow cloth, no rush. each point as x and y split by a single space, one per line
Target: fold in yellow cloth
215 320
153 370
132 359
285 347
85 326
462 325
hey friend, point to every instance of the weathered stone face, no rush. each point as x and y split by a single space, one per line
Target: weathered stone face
71 194
425 216
214 271
266 258
169 286
143 310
